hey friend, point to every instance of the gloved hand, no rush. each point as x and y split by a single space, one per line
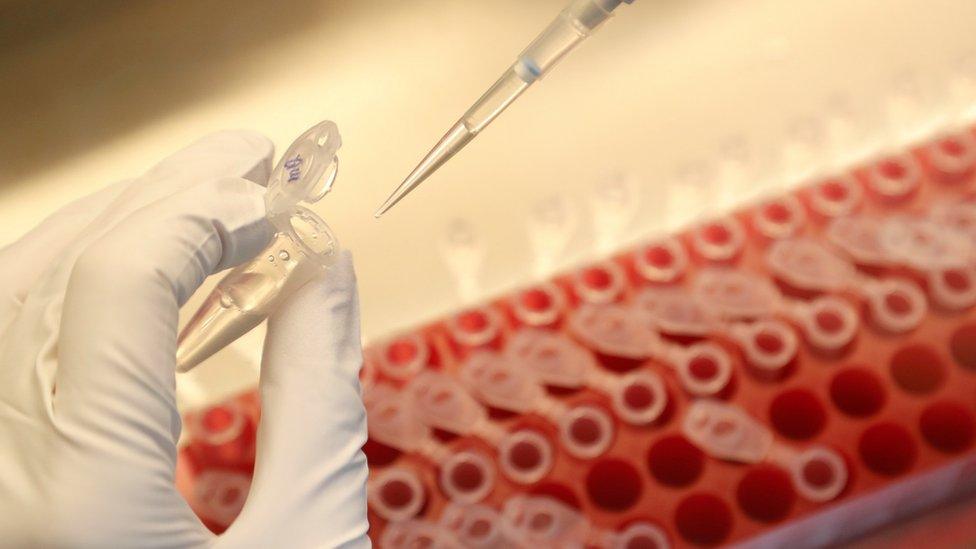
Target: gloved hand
88 417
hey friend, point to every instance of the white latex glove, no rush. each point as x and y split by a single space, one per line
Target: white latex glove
88 319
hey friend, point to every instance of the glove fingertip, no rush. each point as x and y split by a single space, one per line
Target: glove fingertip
241 153
253 144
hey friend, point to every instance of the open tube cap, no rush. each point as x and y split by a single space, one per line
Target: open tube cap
307 170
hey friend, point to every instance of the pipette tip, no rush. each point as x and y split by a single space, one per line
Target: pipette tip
452 142
382 209
397 196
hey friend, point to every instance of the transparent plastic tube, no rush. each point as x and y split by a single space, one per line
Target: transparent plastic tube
464 255
396 493
524 521
544 522
539 306
404 420
476 526
415 533
303 247
637 398
465 476
768 343
585 431
738 295
727 432
525 455
403 357
620 332
896 304
552 226
540 521
662 262
218 496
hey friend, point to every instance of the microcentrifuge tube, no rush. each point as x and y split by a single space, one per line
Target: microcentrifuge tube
476 526
475 327
735 173
958 215
829 323
616 201
767 342
638 397
952 156
802 153
416 533
464 255
441 402
897 304
963 89
222 436
779 217
585 431
544 520
637 534
851 137
719 240
908 110
690 196
218 495
466 476
618 331
402 357
725 431
600 283
552 226
663 260
393 421
303 248
396 493
539 306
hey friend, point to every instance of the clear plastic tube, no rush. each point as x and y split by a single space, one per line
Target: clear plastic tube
404 420
726 431
466 476
218 495
303 247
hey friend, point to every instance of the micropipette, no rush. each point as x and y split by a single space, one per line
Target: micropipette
573 25
303 247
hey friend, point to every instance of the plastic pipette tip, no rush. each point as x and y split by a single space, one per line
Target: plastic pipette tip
453 141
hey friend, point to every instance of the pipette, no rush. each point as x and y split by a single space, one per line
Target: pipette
573 25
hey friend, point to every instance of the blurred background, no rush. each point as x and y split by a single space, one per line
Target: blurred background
677 109
673 95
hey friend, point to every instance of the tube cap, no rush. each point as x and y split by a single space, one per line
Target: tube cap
306 171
